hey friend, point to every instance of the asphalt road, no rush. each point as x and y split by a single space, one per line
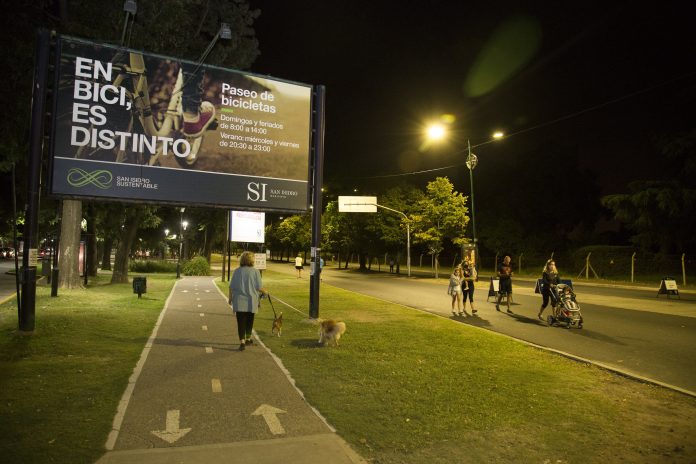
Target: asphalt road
627 329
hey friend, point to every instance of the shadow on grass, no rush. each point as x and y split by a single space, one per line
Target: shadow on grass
306 343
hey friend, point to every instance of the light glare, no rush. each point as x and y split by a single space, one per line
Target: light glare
436 132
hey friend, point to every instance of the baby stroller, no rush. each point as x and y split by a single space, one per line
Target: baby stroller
566 309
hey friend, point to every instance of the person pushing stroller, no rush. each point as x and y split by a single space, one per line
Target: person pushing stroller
549 279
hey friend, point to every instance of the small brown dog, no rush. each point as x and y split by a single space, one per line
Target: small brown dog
331 330
277 325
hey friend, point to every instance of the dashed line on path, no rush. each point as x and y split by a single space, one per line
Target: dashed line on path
202 314
208 349
217 386
205 327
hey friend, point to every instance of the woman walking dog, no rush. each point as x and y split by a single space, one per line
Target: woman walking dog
245 289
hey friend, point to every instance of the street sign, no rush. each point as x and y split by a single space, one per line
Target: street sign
357 204
668 287
260 261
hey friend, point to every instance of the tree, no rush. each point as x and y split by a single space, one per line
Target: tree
335 230
392 226
68 265
295 233
661 213
136 217
441 215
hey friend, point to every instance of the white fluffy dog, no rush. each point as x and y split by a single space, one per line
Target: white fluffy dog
331 330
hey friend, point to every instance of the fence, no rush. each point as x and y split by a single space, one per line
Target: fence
605 262
612 263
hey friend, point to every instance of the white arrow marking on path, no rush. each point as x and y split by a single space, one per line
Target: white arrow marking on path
173 432
269 414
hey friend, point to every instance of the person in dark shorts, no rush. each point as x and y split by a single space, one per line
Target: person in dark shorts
550 279
299 265
505 287
468 283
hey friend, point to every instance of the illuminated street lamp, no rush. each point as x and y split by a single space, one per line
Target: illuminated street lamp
164 248
185 226
436 132
471 162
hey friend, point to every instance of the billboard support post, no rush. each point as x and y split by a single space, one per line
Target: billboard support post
28 312
317 179
226 246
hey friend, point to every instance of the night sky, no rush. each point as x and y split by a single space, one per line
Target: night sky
598 81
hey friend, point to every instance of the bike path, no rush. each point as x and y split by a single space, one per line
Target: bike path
195 398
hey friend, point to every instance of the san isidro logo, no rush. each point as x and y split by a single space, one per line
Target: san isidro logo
256 191
101 178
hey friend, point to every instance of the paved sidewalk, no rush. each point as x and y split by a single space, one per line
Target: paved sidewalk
195 398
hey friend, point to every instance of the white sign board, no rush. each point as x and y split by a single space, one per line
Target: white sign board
260 261
247 226
671 284
357 204
34 257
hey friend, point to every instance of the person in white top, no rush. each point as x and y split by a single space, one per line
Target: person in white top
299 265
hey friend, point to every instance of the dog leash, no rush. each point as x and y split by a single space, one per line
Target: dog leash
271 302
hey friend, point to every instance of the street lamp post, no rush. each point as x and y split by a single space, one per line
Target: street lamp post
437 132
181 242
471 162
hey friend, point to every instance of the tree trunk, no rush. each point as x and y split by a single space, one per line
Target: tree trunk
69 253
362 259
130 229
208 241
92 256
106 253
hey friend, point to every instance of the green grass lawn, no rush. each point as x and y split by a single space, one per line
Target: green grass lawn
407 386
60 387
403 387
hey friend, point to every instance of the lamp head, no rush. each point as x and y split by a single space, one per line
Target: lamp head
130 6
225 31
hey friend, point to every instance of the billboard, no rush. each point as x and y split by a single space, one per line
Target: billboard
247 226
129 125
